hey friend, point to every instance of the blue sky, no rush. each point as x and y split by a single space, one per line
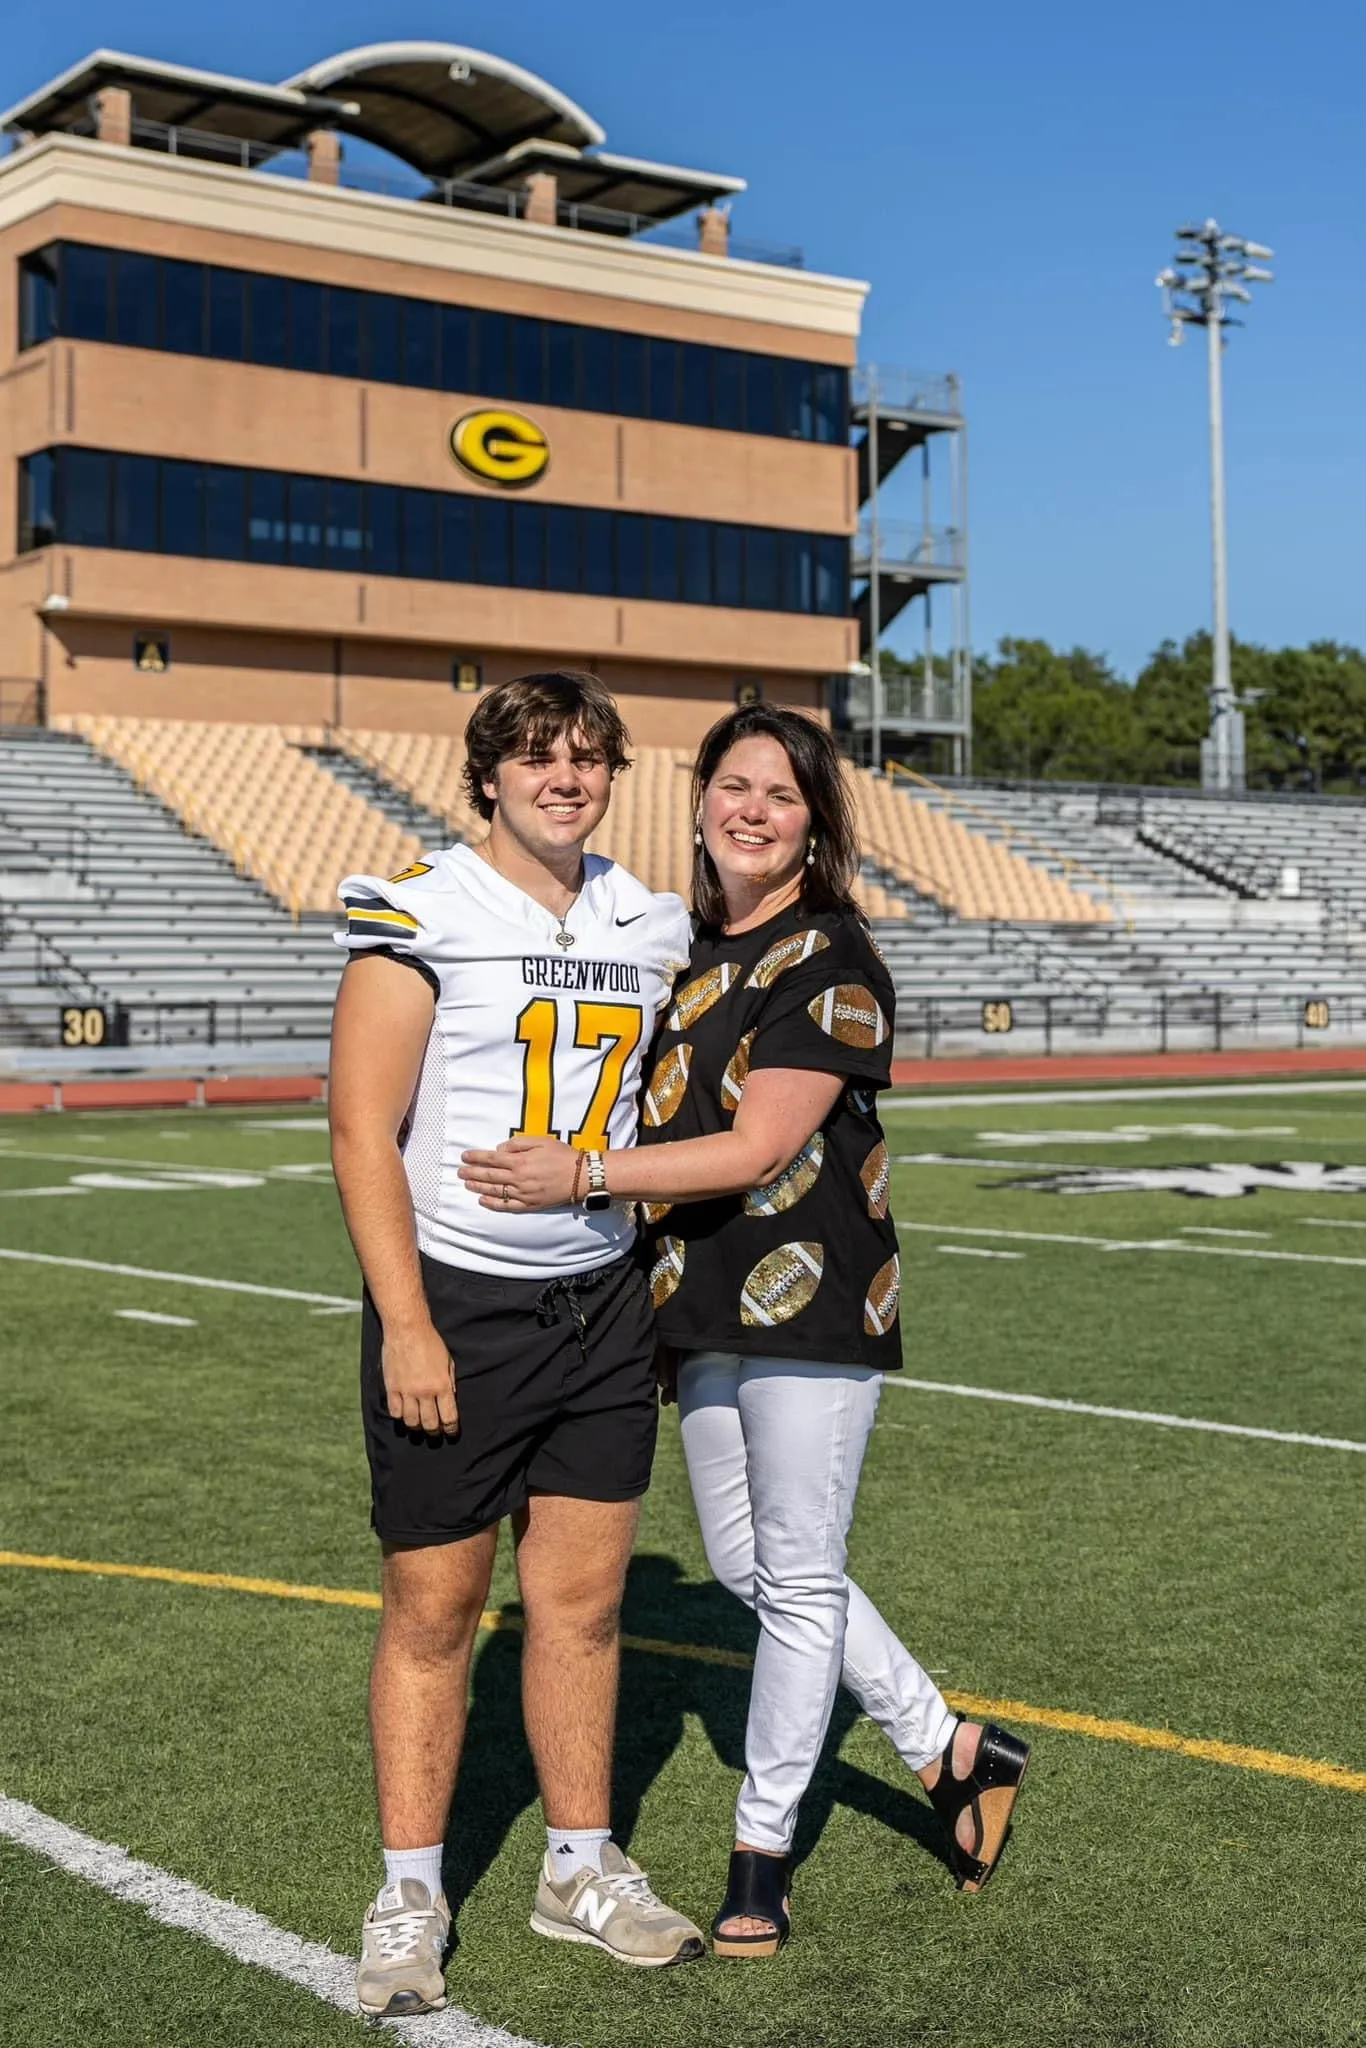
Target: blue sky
1007 179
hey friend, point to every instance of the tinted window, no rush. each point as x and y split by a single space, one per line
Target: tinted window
832 574
307 521
761 570
694 404
383 321
182 307
137 300
795 415
796 574
561 547
663 579
227 314
528 361
268 321
182 508
84 488
561 363
631 546
528 547
457 339
631 375
831 404
225 513
266 517
344 533
307 327
382 522
136 524
597 565
421 344
492 552
492 371
86 279
728 389
664 377
728 584
421 534
595 369
761 415
695 568
38 298
37 501
457 539
343 331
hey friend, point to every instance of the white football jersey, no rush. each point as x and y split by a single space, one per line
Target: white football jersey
531 1038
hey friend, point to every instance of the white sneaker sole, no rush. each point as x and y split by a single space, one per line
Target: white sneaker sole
555 1930
406 2011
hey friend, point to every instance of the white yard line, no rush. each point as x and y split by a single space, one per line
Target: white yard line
976 1251
21 1194
179 1279
246 1936
1275 1436
1135 1244
931 1099
151 1315
1332 1222
1214 1230
313 1171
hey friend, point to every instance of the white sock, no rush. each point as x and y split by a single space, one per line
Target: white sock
575 1849
423 1864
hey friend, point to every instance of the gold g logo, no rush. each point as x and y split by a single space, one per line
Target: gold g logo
500 448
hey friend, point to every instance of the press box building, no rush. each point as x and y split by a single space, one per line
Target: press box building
304 449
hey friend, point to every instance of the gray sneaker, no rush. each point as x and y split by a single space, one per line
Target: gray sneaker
403 1943
615 1910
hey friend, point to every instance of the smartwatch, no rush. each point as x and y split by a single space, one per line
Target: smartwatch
597 1197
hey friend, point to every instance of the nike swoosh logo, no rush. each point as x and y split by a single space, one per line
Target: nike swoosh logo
632 920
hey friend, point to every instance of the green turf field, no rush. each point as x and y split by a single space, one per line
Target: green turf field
1193 1583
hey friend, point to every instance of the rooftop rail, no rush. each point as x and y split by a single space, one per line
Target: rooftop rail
510 202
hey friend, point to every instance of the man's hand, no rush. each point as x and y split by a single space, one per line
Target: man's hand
666 1373
524 1174
419 1380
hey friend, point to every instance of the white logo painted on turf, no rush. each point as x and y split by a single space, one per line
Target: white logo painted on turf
1221 1182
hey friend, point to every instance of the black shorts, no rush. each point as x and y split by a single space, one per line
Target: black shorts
557 1394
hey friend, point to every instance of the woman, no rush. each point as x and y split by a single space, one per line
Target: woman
763 1173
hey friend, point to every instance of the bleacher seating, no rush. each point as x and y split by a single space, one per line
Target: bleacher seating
936 854
253 791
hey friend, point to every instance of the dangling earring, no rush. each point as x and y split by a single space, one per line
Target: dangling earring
811 851
697 830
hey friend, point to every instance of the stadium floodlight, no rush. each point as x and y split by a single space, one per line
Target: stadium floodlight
1208 270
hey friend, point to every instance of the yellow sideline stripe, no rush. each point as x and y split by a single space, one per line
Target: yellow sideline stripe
1311 1770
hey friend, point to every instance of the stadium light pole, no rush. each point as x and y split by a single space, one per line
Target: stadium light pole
1209 269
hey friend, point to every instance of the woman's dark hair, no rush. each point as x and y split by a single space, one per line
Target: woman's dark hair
819 774
529 714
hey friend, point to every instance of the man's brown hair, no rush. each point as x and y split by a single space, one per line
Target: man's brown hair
530 714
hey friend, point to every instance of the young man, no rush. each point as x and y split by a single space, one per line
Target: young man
507 1361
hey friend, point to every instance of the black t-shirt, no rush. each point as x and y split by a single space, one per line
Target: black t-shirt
807 1267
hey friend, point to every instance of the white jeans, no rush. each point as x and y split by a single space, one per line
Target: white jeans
774 1450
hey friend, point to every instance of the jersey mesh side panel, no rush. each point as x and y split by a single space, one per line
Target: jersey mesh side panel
424 1154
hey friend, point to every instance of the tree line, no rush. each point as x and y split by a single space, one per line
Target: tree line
1051 715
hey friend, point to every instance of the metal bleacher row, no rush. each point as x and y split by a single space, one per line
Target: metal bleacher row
188 872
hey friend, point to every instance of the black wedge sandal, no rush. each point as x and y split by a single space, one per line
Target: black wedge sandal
756 1889
989 1791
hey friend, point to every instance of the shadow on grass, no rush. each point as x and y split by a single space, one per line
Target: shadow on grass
498 1783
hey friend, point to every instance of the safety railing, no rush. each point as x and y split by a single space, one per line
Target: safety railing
203 145
1160 1021
907 544
900 390
21 700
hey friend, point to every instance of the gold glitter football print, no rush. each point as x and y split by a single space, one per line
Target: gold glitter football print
787 953
782 1284
884 1291
736 1074
849 1014
795 1181
876 1175
697 998
667 1086
666 1273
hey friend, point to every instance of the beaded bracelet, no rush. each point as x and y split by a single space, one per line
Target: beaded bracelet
574 1191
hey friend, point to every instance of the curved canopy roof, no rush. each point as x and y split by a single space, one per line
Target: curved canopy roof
444 108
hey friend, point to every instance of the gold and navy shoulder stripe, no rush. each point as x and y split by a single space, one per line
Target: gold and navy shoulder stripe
367 917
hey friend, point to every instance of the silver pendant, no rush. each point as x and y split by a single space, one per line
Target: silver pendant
564 939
